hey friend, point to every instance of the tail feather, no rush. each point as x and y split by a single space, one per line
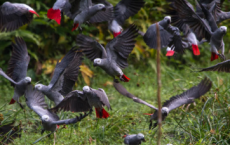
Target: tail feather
116 34
101 113
195 49
214 56
170 53
12 101
54 14
75 27
125 78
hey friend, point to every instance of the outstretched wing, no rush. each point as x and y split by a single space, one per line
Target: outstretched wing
70 121
91 48
12 17
127 8
102 16
188 97
18 64
220 67
103 97
186 12
74 102
150 37
124 92
121 46
57 79
71 74
2 73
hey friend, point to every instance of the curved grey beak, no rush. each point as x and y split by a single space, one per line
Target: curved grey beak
94 64
143 140
103 9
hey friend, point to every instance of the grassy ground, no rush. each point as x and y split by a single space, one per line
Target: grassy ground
205 123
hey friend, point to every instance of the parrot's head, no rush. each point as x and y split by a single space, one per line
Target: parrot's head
141 137
86 89
27 80
97 62
38 87
223 29
168 19
45 118
165 111
100 7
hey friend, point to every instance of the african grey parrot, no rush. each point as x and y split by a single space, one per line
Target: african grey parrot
17 69
220 67
15 15
134 139
114 58
80 11
64 77
185 98
203 28
35 101
78 101
169 35
122 11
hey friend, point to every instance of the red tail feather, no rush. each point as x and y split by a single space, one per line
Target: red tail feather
125 78
214 56
54 14
102 113
75 27
33 12
12 101
58 126
116 34
170 53
195 49
148 114
124 136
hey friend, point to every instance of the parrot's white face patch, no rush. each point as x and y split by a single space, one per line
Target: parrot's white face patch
168 18
140 136
165 110
223 28
101 5
86 88
28 79
45 118
38 86
97 61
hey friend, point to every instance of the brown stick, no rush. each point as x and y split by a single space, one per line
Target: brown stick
159 85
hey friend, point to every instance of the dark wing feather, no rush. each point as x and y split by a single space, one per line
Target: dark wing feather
103 97
71 121
73 102
72 8
91 48
195 22
188 97
102 2
122 45
127 8
12 17
124 92
150 37
57 79
102 16
71 74
220 67
18 64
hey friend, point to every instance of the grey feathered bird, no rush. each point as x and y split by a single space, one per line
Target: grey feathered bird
64 77
35 101
114 58
15 15
169 35
134 139
219 67
203 28
17 69
185 98
80 11
78 101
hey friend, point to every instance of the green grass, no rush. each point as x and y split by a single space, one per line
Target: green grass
205 123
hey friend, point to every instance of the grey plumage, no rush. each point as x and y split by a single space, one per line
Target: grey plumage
134 139
169 35
185 98
61 77
14 15
219 67
17 69
114 58
35 101
124 92
78 101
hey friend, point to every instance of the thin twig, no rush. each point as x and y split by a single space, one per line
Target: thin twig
159 85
